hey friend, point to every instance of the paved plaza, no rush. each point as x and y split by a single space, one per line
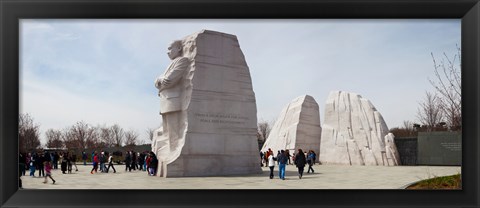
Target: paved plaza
325 177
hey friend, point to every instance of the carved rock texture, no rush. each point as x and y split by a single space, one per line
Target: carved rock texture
221 113
297 127
353 132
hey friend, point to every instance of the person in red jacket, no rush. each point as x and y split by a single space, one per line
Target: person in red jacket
95 163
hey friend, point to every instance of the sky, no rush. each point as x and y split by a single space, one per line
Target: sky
102 72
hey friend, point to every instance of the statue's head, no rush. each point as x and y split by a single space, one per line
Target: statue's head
175 49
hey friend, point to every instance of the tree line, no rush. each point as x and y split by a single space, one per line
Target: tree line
80 136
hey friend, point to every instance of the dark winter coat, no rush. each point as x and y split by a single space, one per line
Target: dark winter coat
300 160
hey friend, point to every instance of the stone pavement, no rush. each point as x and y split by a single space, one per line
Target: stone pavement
325 177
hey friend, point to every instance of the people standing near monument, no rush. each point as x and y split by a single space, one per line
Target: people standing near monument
48 171
310 159
300 162
282 163
110 163
95 161
271 164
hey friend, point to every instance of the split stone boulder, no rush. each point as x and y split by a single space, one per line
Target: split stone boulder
353 132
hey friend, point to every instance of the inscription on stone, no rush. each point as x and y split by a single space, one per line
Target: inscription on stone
221 118
452 146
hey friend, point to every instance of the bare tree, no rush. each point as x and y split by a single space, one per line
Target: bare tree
106 136
118 135
448 84
85 136
150 133
430 112
54 138
131 138
264 129
68 138
28 133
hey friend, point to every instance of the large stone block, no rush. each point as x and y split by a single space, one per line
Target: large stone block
297 127
353 133
217 135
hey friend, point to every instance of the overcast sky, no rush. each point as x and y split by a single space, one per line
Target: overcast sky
103 71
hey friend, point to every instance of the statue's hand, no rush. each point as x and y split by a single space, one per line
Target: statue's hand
165 82
158 82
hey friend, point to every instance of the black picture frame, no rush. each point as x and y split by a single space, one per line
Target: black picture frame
11 11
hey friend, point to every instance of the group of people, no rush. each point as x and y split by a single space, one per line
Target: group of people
101 160
142 161
300 159
145 161
43 162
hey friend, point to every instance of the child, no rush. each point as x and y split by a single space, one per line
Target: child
48 171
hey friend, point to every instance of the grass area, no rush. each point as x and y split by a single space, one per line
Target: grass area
452 182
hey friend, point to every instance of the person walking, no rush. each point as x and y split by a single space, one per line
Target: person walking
282 162
110 163
300 162
48 171
310 160
271 163
95 163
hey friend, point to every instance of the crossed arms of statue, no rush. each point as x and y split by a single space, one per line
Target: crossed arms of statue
173 74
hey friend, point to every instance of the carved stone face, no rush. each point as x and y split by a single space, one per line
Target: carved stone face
174 50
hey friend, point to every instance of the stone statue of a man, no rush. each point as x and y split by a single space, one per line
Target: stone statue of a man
170 90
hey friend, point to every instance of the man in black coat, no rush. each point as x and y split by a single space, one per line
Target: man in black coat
300 162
